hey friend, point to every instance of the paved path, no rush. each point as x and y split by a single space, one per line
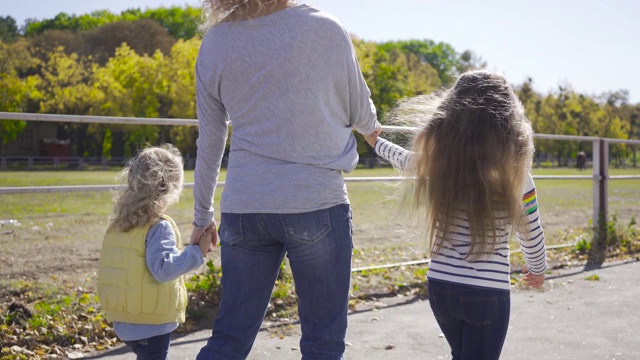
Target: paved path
572 318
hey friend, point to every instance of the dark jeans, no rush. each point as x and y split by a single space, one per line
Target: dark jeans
318 245
474 320
155 348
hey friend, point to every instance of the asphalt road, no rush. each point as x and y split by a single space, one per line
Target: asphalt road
570 318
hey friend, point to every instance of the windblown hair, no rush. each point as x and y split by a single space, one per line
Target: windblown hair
217 11
154 181
473 149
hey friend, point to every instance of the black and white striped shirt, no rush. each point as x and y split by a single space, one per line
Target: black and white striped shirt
492 270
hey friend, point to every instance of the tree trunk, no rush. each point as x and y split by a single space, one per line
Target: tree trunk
117 144
81 135
100 145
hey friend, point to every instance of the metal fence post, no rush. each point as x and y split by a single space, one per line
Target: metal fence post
600 191
604 178
596 182
600 179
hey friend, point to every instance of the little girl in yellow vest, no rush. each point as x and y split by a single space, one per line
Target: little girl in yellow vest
140 282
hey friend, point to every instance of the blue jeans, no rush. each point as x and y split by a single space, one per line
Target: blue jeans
318 245
474 320
155 348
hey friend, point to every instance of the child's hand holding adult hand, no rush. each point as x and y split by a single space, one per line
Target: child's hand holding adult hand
208 239
205 238
535 281
373 137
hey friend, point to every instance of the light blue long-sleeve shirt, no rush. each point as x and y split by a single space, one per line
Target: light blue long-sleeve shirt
165 262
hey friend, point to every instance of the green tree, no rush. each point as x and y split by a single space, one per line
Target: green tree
469 60
66 89
632 117
8 29
64 21
180 22
138 86
16 91
441 56
182 80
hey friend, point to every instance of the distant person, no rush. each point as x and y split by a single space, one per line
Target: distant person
142 260
470 168
582 160
286 77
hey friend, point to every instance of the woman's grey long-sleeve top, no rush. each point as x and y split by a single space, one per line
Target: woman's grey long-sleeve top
291 86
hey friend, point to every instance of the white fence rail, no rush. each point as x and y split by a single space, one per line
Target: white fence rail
87 119
600 174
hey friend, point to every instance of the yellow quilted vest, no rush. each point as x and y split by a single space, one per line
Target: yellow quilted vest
127 290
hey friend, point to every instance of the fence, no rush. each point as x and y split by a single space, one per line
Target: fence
55 163
600 175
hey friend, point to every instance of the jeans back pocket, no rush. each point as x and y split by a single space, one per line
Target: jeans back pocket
479 311
230 228
306 227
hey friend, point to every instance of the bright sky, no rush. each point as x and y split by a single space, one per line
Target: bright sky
592 44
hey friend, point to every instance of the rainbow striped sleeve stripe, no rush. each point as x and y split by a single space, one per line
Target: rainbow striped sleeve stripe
530 202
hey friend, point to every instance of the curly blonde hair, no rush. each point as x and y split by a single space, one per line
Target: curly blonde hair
217 11
154 180
473 149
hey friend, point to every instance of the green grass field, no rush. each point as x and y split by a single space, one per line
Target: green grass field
565 204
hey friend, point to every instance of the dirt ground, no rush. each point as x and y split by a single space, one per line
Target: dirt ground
31 252
65 248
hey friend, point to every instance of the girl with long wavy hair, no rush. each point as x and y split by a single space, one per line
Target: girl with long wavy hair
142 260
285 76
468 181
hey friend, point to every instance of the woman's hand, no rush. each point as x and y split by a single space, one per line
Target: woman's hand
535 281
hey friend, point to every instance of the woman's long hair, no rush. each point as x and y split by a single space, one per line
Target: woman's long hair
473 149
154 181
217 11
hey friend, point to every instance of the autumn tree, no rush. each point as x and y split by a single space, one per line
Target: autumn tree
48 42
143 36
